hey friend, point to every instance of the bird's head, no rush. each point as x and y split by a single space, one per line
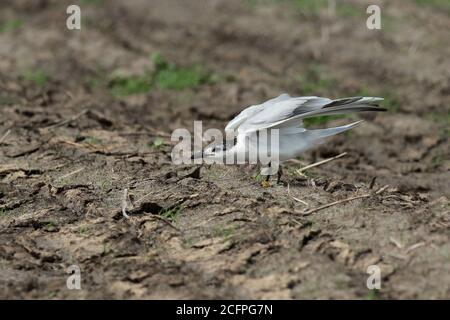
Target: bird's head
216 152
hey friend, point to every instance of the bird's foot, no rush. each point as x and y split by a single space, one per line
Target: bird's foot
265 184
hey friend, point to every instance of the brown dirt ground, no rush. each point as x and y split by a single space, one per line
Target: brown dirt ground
61 187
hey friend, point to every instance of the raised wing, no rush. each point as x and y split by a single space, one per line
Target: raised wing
280 111
253 110
289 113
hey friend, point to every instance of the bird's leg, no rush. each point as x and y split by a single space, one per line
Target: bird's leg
270 171
280 173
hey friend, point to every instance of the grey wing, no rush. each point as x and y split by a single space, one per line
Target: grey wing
289 113
281 111
253 110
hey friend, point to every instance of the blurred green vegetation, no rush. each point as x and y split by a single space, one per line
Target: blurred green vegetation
170 76
92 2
308 6
165 76
313 6
224 232
92 140
373 294
441 119
316 121
3 212
37 77
170 214
438 4
437 160
11 25
390 102
157 143
314 81
129 85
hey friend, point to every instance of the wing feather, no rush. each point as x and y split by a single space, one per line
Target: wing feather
247 113
289 113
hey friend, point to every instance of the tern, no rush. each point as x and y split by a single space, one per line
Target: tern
285 114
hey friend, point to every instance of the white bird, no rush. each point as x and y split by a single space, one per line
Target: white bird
284 113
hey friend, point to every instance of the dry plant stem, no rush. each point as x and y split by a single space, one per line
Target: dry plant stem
61 123
296 199
367 195
321 162
165 221
79 145
414 247
124 204
71 173
3 138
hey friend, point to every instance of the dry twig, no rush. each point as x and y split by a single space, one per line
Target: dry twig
299 171
61 123
165 221
414 247
397 243
70 174
296 199
125 204
3 138
367 195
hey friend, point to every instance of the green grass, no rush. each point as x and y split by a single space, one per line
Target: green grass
82 231
438 4
310 174
3 212
259 178
50 226
11 25
165 76
316 6
106 250
308 6
6 100
93 83
347 10
439 117
313 81
389 102
437 160
104 185
91 2
179 79
92 140
170 214
223 232
37 77
157 143
170 76
317 121
373 294
125 86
